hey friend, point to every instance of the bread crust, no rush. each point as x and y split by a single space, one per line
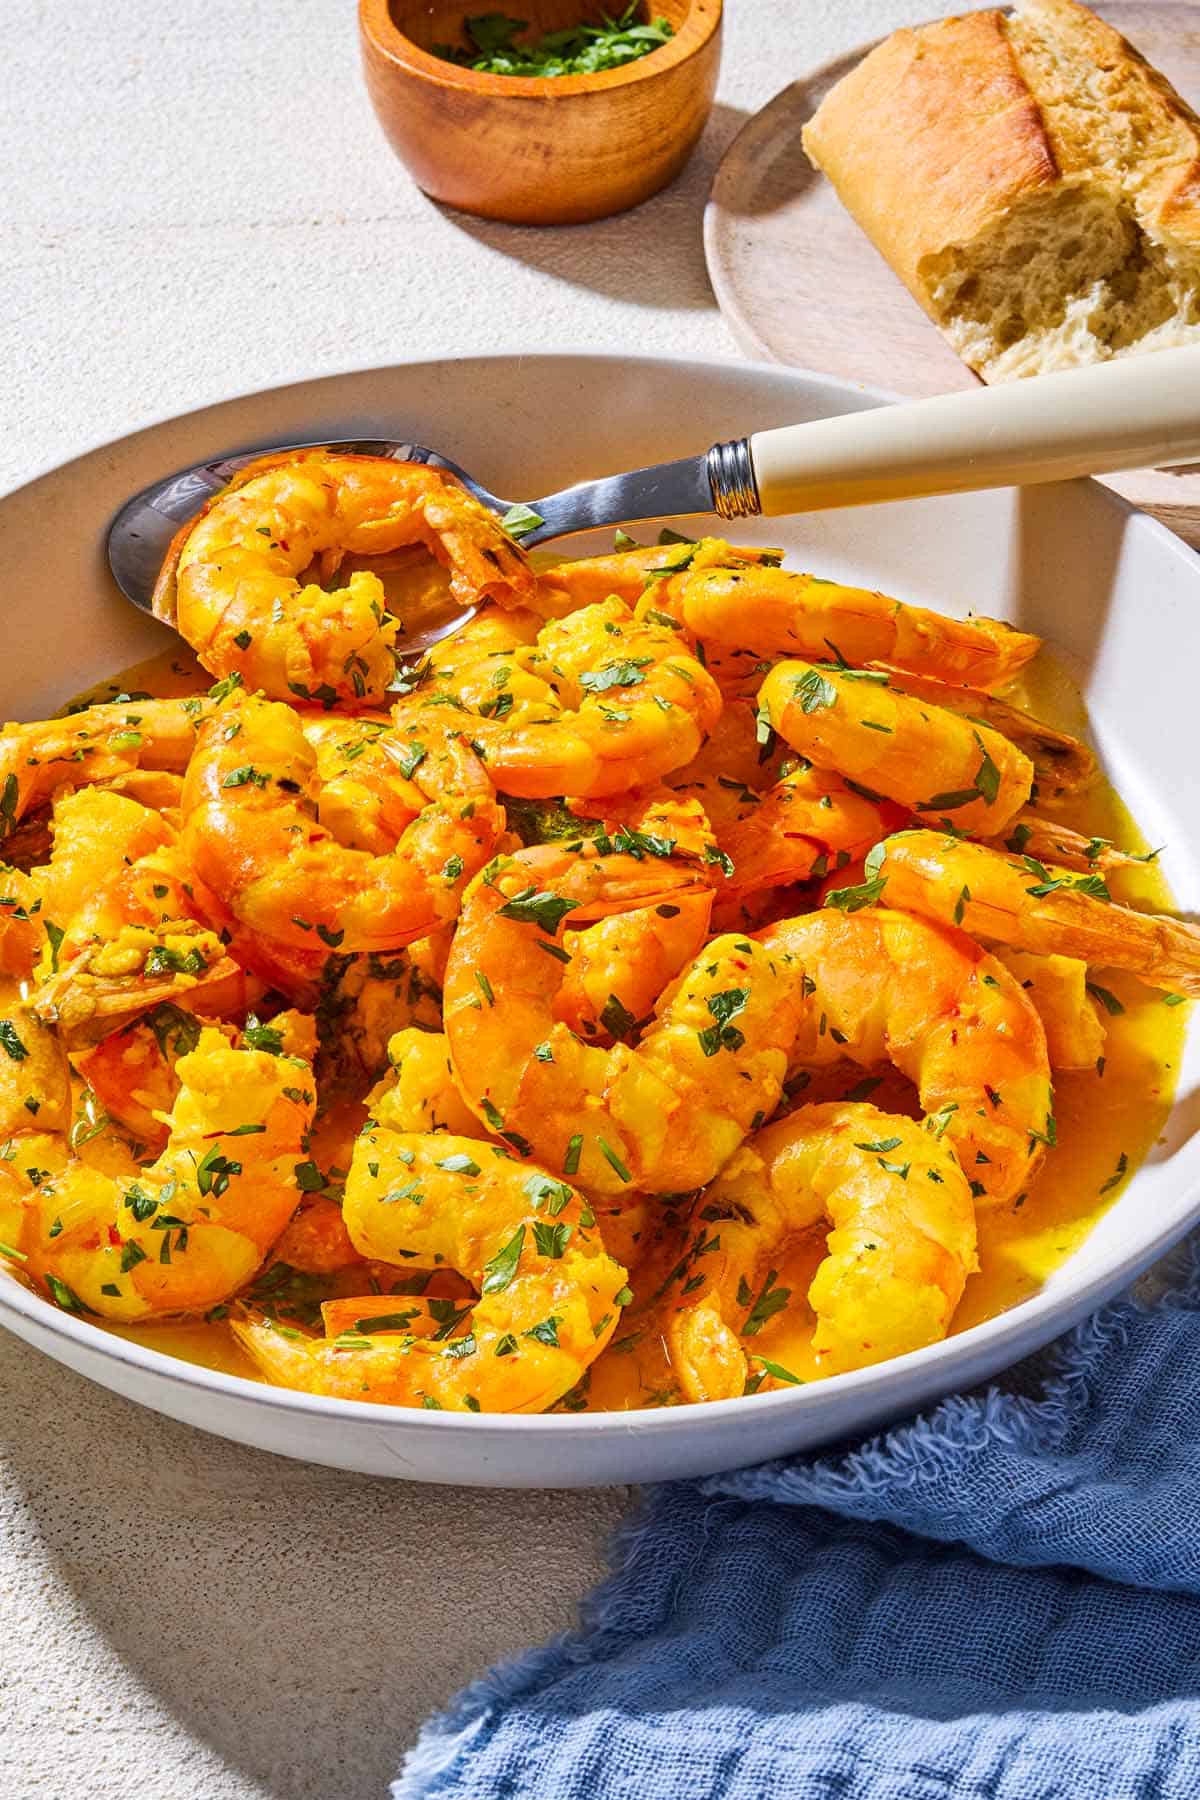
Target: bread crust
1143 111
942 131
931 136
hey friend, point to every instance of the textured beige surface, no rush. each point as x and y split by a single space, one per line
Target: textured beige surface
195 200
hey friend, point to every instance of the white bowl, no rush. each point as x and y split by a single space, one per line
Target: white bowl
1112 589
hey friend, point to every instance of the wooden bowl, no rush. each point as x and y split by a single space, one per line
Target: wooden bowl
545 151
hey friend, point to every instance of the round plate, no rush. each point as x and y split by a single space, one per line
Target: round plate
1119 596
798 282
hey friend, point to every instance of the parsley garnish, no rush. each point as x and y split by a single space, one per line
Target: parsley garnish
541 908
853 899
499 1270
551 1240
614 674
519 520
213 1172
813 691
769 1301
722 1035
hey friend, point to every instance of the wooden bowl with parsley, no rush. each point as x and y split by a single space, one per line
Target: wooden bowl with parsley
567 112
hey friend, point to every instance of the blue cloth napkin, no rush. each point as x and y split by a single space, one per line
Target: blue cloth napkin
999 1601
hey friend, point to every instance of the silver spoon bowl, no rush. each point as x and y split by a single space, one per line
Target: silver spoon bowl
720 481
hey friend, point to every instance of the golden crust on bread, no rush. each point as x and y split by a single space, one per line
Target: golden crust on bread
1030 177
883 137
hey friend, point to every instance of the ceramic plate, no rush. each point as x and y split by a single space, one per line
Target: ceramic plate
1116 594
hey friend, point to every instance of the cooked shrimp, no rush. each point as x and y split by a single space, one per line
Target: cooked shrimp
550 1295
923 757
97 836
132 1070
619 965
232 577
1063 766
22 931
35 1081
146 932
1057 985
661 1116
807 824
1048 841
191 1229
775 612
418 1093
622 702
637 572
97 743
364 800
883 986
1031 905
35 1112
140 967
901 1244
249 833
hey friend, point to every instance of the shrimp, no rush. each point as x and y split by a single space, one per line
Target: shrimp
146 934
807 824
632 573
1048 841
420 1094
900 1249
776 612
1057 985
884 986
549 1293
21 930
775 818
97 835
98 743
35 1114
132 1070
116 864
364 800
621 702
231 580
620 965
1063 766
188 1231
662 1116
35 1081
250 835
1030 905
925 758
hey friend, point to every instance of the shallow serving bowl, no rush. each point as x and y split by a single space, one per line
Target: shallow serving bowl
532 150
1114 591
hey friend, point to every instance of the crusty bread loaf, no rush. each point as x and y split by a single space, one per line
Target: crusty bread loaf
1032 180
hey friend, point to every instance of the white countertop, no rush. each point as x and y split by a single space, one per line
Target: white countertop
197 201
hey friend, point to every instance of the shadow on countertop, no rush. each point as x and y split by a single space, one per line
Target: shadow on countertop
296 1622
653 254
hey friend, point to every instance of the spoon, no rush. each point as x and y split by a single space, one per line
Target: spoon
1135 413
